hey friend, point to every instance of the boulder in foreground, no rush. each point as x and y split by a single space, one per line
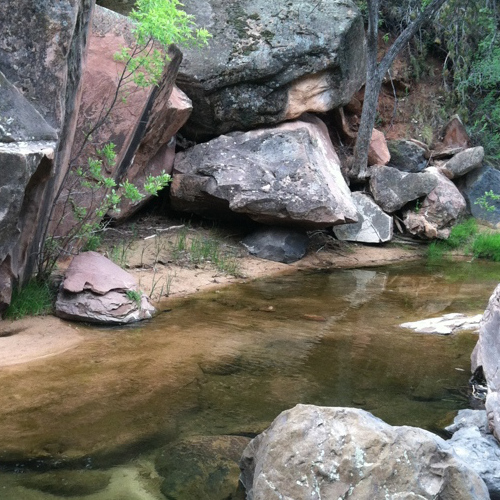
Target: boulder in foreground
96 290
312 452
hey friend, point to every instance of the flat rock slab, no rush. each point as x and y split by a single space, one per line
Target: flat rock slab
92 271
373 226
445 325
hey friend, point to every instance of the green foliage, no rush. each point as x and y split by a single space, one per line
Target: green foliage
484 201
436 252
203 250
487 246
462 234
36 298
162 22
461 237
134 296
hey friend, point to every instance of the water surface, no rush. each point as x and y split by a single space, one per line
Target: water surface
228 362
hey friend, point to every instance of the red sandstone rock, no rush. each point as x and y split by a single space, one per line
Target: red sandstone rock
378 153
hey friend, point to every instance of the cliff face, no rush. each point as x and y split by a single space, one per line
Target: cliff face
42 49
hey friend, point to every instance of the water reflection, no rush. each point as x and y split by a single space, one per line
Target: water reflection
227 362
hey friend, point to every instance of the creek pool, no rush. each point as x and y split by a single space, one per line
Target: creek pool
88 424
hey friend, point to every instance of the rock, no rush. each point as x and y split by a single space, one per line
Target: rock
373 226
445 325
6 280
407 156
41 53
441 208
392 188
454 134
25 169
378 152
469 418
277 244
285 175
312 452
473 444
95 290
19 120
463 162
487 354
268 62
140 128
202 467
477 183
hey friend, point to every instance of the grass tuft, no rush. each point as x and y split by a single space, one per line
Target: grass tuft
462 233
487 246
36 298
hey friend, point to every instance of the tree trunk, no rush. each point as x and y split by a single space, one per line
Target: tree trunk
375 74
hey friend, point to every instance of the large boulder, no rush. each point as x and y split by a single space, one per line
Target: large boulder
463 162
477 183
42 49
285 175
475 445
141 123
373 226
392 188
312 452
270 61
441 208
96 290
487 354
27 150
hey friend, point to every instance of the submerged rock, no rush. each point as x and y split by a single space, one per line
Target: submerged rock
203 467
445 325
98 291
313 452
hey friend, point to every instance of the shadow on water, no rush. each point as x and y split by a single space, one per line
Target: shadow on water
229 361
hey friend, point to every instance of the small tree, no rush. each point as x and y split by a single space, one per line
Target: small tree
158 24
375 72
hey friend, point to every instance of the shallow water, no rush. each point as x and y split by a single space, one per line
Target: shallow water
228 362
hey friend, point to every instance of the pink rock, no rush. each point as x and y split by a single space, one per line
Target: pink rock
92 271
455 135
95 290
378 153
